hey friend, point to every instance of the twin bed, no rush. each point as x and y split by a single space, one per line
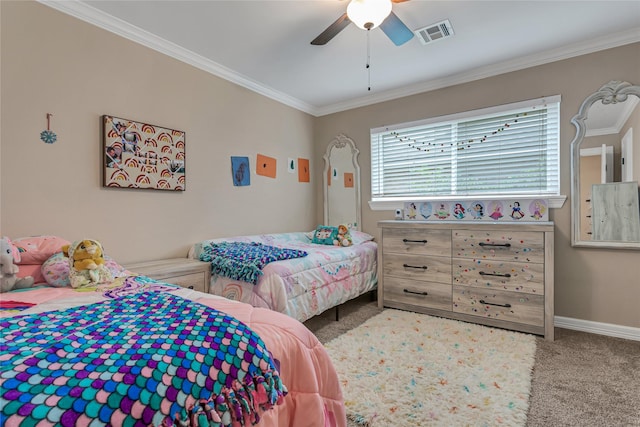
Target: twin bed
139 352
306 286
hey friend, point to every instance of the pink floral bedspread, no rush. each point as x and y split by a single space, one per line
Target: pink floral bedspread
315 397
303 287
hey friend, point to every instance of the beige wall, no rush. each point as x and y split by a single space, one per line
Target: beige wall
590 284
54 63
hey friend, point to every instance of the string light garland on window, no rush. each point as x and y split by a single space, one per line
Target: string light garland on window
460 144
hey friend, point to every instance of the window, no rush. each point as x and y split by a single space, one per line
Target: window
509 150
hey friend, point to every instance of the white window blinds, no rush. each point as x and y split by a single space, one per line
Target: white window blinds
505 150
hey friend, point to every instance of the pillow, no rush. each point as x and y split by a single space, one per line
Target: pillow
358 237
56 270
32 270
38 249
325 235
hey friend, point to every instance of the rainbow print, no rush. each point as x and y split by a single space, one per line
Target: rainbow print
148 129
132 155
165 138
132 162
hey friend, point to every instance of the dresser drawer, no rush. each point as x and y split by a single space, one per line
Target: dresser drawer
502 275
417 293
496 245
195 281
446 268
417 242
499 305
417 267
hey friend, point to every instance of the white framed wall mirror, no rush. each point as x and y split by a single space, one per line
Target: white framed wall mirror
605 169
341 181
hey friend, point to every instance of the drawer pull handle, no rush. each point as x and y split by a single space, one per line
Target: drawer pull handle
505 245
482 273
414 292
424 267
407 241
507 305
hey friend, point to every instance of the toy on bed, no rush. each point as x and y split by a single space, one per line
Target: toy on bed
9 255
343 238
86 263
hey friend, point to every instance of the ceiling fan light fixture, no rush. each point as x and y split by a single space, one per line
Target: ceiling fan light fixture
368 14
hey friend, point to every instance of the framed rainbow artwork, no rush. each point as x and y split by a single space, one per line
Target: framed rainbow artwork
140 155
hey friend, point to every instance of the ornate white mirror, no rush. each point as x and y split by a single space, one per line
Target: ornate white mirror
341 180
605 169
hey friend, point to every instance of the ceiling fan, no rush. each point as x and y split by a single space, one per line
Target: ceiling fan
368 14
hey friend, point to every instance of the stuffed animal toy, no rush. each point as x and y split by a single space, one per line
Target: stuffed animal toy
344 237
86 263
9 255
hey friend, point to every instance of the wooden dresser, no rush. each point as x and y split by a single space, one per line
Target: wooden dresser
495 274
185 272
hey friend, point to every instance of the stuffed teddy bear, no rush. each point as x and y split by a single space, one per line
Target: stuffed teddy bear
86 263
9 255
344 237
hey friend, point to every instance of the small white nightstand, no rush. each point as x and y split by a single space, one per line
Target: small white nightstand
185 272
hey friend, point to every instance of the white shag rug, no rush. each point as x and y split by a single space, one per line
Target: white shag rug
407 369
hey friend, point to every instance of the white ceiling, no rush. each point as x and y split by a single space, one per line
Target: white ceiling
265 45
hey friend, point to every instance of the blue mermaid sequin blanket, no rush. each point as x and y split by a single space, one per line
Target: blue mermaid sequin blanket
244 261
145 359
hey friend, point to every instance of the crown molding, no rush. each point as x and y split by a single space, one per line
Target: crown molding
100 19
566 52
117 26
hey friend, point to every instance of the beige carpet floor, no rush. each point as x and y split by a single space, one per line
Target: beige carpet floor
579 379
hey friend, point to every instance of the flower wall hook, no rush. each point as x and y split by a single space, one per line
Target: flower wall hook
48 136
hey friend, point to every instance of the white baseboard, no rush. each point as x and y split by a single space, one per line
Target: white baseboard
618 331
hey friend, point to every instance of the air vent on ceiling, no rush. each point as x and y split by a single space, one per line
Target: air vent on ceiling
435 32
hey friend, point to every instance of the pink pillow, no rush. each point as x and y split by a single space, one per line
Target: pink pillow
360 237
38 249
32 270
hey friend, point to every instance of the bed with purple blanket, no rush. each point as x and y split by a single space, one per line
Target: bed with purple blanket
289 273
138 352
135 353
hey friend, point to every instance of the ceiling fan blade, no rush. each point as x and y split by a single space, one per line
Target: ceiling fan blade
395 29
332 30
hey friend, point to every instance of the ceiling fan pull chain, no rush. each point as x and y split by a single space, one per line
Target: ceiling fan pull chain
368 61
